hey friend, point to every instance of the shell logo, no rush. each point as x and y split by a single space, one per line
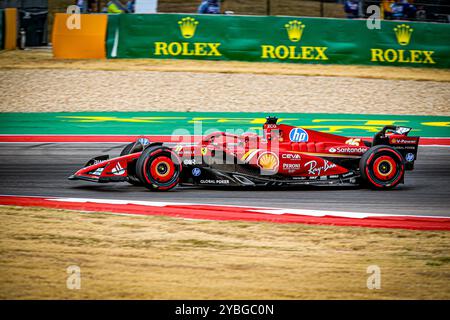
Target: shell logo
268 161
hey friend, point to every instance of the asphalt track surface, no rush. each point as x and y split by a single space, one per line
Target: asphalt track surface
41 169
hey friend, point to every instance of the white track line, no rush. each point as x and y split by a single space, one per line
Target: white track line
274 211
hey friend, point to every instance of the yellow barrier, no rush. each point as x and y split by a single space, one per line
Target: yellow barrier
10 28
87 42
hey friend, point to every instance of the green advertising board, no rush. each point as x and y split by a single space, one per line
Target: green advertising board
278 38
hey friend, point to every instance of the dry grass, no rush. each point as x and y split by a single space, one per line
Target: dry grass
165 258
42 59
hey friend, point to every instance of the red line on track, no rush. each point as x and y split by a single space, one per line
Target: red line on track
159 138
216 212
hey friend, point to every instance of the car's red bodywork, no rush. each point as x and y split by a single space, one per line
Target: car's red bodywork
283 154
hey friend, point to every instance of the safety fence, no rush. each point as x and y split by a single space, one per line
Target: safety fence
266 38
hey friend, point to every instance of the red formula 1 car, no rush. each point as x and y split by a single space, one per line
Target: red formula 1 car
284 155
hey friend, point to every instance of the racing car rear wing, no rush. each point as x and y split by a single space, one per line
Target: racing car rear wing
397 137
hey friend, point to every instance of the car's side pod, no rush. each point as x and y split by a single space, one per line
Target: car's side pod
397 137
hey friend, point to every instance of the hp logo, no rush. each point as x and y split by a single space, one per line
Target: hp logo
298 135
196 172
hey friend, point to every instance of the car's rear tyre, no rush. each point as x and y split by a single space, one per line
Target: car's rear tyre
158 168
382 167
132 179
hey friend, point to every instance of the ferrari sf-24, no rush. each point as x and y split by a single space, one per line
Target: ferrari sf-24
283 155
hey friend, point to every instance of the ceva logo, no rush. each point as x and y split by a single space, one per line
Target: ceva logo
188 27
298 135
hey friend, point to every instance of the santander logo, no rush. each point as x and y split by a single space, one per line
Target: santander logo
348 149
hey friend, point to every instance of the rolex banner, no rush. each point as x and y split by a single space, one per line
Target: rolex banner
281 39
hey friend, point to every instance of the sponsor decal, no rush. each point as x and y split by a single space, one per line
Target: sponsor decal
402 147
291 156
403 141
96 161
295 30
198 49
178 148
204 151
314 170
402 130
186 153
196 172
348 150
211 181
189 162
348 174
298 135
353 142
291 166
268 161
188 27
97 172
118 170
403 34
409 157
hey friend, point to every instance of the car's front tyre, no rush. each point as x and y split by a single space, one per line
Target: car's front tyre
158 168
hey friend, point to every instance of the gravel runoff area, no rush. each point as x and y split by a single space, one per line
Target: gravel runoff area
32 90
